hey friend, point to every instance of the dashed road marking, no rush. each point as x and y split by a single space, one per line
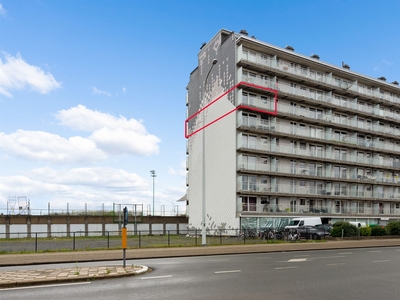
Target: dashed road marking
297 259
375 251
230 271
378 261
156 277
282 268
336 264
345 253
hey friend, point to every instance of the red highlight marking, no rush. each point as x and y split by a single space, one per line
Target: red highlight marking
274 113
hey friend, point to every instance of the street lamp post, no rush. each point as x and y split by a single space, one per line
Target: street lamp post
203 229
153 174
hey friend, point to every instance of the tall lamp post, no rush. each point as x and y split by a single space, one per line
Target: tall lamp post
153 174
203 229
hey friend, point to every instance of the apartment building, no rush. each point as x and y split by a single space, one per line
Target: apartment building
282 134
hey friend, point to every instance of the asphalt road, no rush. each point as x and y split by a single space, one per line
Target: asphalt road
371 273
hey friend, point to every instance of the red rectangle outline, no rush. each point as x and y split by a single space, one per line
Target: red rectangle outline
274 113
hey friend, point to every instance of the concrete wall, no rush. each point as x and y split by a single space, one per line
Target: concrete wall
19 226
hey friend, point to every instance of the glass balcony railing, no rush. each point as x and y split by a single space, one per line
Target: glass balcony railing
318 171
323 154
319 191
272 63
324 136
343 208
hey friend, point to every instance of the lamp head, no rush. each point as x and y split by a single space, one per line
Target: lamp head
214 61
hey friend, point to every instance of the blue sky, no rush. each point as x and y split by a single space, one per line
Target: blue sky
92 93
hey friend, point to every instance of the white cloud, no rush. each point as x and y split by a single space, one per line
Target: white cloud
76 186
114 135
95 90
16 74
124 90
43 146
99 178
2 10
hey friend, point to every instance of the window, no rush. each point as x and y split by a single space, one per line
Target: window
249 183
249 203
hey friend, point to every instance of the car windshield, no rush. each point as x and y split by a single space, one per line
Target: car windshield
294 222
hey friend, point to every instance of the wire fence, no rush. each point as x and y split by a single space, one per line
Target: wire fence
23 242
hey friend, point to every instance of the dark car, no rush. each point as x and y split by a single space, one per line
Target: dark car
311 232
326 227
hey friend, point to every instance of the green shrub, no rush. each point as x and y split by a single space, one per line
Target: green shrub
365 231
349 230
378 231
393 228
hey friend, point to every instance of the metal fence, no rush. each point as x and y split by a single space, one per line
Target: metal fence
99 240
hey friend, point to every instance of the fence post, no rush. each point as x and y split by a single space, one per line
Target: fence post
36 242
139 239
168 239
73 238
108 239
220 237
244 236
195 236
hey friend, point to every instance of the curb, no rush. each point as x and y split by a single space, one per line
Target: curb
33 282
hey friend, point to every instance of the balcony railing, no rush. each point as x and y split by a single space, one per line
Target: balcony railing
317 115
342 209
289 88
314 75
323 154
319 172
322 135
321 191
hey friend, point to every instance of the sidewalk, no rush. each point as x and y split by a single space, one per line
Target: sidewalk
47 276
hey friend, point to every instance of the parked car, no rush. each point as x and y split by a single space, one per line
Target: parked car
312 232
327 227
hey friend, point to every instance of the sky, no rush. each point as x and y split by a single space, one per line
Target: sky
93 92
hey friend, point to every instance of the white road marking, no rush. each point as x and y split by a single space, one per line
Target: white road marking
156 277
297 259
282 268
336 264
329 257
377 261
345 253
231 271
43 286
375 251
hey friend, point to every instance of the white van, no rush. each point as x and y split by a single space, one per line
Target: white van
358 224
297 222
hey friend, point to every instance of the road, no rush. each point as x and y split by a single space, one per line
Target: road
370 273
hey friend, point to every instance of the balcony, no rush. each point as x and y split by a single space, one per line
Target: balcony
319 134
259 59
319 191
320 210
321 155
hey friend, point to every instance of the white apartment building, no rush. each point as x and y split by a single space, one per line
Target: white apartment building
331 150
